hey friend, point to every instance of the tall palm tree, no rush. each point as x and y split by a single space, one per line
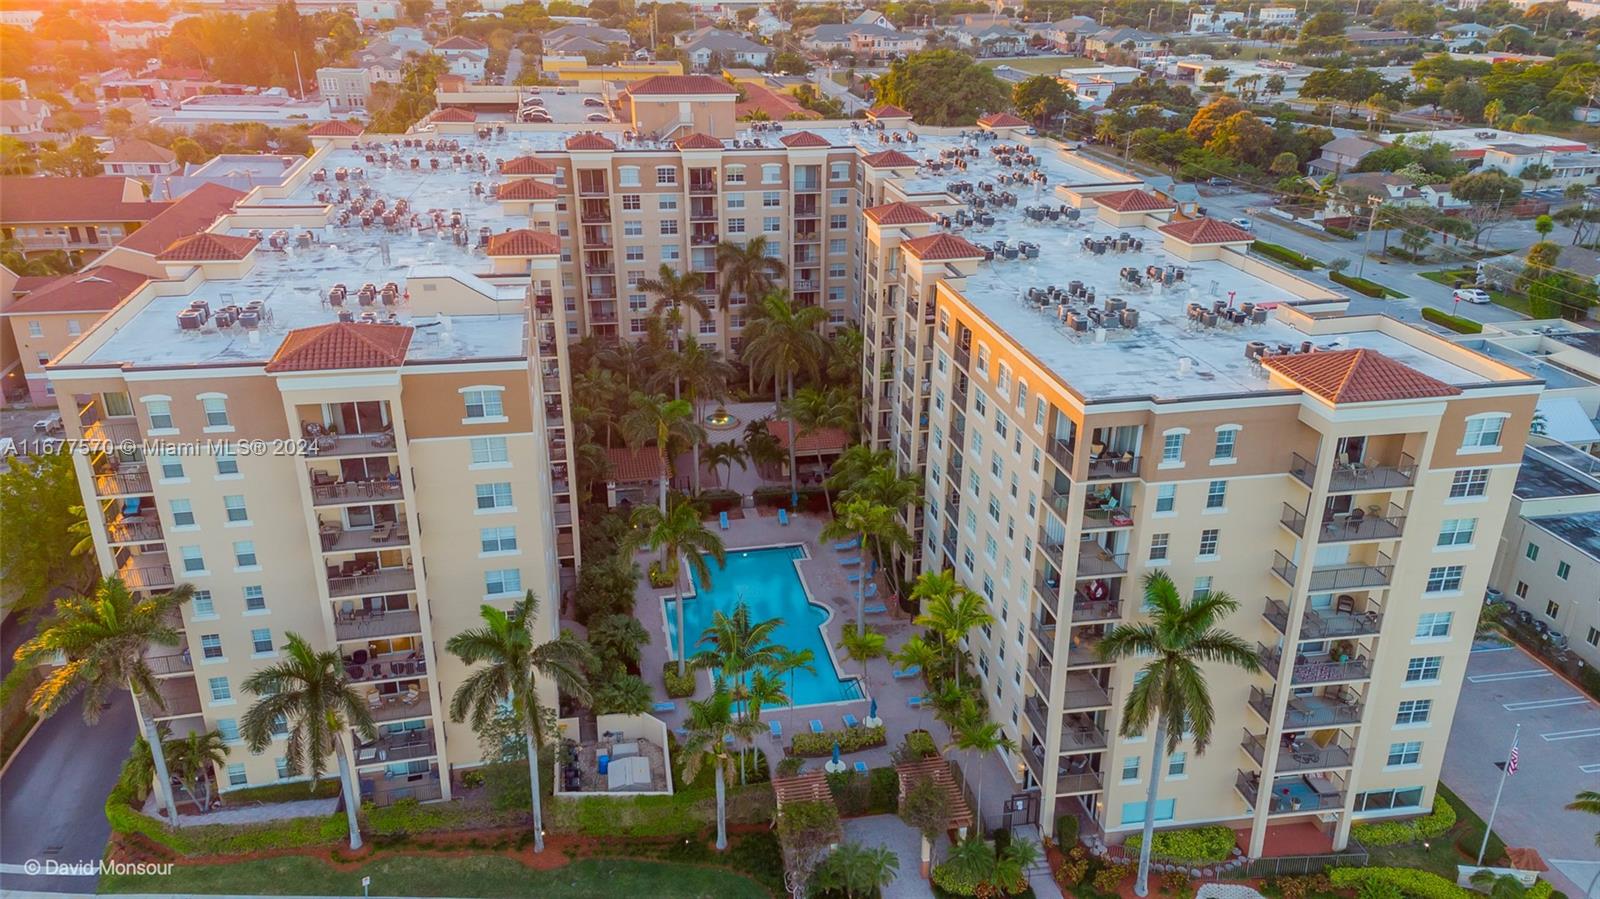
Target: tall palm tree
779 343
844 357
725 456
863 645
710 723
1587 801
866 521
103 640
746 270
813 410
193 759
950 610
974 732
630 359
678 534
737 649
761 690
887 486
662 420
1172 689
761 447
789 663
917 653
674 292
310 691
699 373
598 398
853 464
509 644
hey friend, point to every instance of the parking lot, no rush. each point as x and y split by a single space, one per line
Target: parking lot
1558 754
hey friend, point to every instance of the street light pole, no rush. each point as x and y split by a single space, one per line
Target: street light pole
1372 219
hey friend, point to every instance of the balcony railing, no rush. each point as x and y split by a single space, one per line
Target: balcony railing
1104 519
1325 625
1062 453
376 443
395 707
365 625
170 663
180 697
1049 592
388 666
1359 524
124 480
1052 544
1293 797
415 744
1095 560
1351 477
1084 692
1087 782
1084 650
1084 610
1039 669
389 790
389 580
1353 577
1293 519
339 492
1315 669
133 530
1302 754
963 357
1305 712
386 535
147 576
702 188
1045 633
1284 569
1111 466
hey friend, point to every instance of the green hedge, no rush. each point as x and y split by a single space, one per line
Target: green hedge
1337 231
1454 322
1413 883
1285 255
222 839
850 739
717 500
327 788
1392 833
775 497
677 686
1359 285
1213 843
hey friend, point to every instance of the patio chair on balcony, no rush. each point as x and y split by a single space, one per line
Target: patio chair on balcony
1345 604
411 696
374 701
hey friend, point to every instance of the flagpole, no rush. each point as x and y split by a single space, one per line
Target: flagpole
1505 771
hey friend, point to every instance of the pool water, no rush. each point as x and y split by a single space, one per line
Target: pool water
767 582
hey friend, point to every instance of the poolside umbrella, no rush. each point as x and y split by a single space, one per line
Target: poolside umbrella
836 752
873 711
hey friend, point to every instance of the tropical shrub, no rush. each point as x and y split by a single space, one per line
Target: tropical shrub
1109 879
1067 831
1284 255
1301 886
678 685
1072 871
719 500
1413 883
1392 833
1359 285
1213 843
851 739
917 745
1454 322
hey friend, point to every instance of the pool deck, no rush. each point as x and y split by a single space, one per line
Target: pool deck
825 579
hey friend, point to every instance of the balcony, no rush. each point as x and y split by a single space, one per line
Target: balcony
387 580
1079 733
1094 560
1107 518
389 789
808 235
1299 753
702 188
377 443
1363 524
1076 784
363 624
1039 669
1051 544
122 480
1319 668
1061 452
1085 692
1045 633
1048 585
963 355
147 572
1311 711
399 706
180 698
1296 795
385 666
1324 624
164 662
1350 477
386 535
399 747
703 239
134 529
1293 519
1353 577
1112 466
1084 650
325 491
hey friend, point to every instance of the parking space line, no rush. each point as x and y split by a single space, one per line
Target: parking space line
1494 649
1556 735
1533 704
1589 769
1509 675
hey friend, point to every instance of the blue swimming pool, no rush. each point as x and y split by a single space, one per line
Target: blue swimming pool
767 582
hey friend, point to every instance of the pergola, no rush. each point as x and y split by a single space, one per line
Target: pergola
812 787
937 769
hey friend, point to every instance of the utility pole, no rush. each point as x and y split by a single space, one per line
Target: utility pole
297 79
1372 219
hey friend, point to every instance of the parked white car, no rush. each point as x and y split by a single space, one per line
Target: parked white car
1242 223
1471 295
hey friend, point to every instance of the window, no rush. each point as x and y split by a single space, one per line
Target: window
1434 624
631 203
771 199
1178 764
202 605
1409 753
1208 542
1593 638
227 463
735 201
236 775
1483 432
1444 579
771 174
735 226
1166 497
1216 494
483 403
1158 547
1469 482
216 409
35 329
502 581
1130 768
193 561
839 171
1133 812
1532 552
182 514
1172 448
73 327
234 506
666 174
160 412
1422 669
229 729
220 691
260 640
628 176
244 553
1551 609
171 468
1522 590
1227 438
633 228
1202 587
498 540
1413 711
255 599
666 203
1457 532
494 496
669 227
771 224
210 646
633 253
489 451
1563 570
1380 800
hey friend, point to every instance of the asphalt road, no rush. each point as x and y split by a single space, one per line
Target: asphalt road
1558 754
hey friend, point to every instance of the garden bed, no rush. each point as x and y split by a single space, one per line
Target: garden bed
854 739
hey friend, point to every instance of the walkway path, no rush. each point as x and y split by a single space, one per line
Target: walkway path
254 813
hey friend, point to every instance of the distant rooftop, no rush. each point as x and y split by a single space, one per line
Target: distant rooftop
1545 476
1581 529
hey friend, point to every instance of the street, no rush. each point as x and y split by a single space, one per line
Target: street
1558 754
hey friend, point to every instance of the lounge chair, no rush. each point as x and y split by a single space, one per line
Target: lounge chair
861 767
783 517
905 673
850 560
664 707
876 608
723 518
871 591
914 702
727 739
850 720
776 727
816 725
853 577
847 545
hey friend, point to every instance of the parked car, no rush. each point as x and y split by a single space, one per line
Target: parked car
49 424
594 101
1242 223
597 117
1471 295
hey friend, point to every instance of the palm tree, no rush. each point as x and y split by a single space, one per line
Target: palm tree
813 410
598 398
628 358
725 456
310 691
854 464
863 645
779 343
760 691
917 653
736 647
102 640
710 723
857 870
509 645
746 270
973 731
789 663
702 374
1172 689
844 357
1587 801
193 759
662 420
673 292
760 446
866 521
950 610
678 534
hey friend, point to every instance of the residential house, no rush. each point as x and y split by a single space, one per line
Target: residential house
345 88
466 56
1067 34
1214 21
867 41
992 40
1340 155
767 24
1270 16
139 159
1562 167
1108 41
560 41
21 117
706 46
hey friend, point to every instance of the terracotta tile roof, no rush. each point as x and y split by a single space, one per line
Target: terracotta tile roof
899 214
524 242
453 114
139 151
804 139
341 345
942 246
1357 376
1134 200
642 464
528 165
1002 120
889 159
698 141
887 111
53 200
194 212
681 84
590 141
207 247
826 440
1206 230
335 129
525 189
96 290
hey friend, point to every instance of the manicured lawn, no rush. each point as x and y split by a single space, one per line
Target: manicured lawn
1041 65
1441 855
483 875
1449 277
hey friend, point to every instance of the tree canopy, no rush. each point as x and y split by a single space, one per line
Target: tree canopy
943 87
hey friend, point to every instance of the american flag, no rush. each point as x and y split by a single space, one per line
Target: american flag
1511 763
